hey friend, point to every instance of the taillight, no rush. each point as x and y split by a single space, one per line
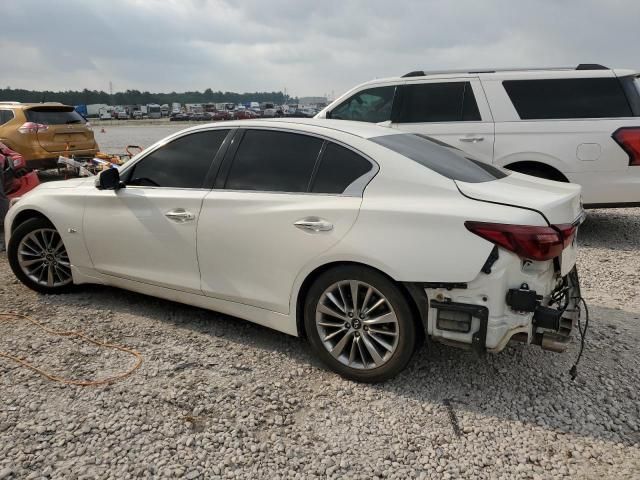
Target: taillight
526 241
32 127
568 231
629 139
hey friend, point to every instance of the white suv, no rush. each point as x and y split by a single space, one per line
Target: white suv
568 124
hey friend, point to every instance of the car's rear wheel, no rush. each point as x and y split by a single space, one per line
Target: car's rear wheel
38 257
360 324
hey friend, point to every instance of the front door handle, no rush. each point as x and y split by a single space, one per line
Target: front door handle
314 224
471 138
180 215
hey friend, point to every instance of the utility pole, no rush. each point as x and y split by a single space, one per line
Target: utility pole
110 92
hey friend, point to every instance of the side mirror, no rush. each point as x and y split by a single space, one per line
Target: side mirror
109 180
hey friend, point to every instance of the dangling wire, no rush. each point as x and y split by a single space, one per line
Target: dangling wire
574 369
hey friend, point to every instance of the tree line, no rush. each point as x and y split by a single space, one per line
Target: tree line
136 97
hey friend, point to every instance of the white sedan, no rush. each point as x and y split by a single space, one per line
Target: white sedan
363 239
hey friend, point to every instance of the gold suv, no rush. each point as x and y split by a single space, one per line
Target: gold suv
41 132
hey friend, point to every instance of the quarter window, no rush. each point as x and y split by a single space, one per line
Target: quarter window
274 162
182 163
371 105
568 98
437 102
339 168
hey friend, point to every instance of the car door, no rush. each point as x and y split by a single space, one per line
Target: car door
282 198
147 231
452 110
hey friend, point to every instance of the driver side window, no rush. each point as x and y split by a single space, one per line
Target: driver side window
182 163
371 105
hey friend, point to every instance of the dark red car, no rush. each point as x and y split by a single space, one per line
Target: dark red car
220 115
245 114
15 179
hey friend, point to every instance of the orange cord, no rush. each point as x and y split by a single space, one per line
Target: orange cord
67 381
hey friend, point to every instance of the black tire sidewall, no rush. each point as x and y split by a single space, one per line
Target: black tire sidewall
406 324
12 253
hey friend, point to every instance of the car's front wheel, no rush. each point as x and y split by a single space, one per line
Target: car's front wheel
38 257
360 324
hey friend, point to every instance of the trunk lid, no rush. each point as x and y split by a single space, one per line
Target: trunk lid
66 130
559 203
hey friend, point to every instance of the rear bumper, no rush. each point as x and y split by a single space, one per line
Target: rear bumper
50 159
485 315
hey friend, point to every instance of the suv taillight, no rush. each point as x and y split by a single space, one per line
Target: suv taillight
32 127
629 139
526 241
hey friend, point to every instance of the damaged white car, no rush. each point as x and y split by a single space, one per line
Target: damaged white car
362 239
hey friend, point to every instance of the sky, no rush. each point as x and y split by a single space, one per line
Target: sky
309 47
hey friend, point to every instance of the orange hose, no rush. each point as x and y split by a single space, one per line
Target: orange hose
60 333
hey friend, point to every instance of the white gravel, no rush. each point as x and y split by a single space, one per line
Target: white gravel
217 397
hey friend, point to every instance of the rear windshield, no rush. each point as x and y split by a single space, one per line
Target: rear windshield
440 157
53 116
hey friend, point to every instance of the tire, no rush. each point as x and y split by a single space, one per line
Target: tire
386 324
39 258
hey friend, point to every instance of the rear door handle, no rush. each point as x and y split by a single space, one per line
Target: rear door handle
314 224
180 215
472 139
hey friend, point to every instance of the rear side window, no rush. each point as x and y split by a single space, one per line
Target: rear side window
5 116
568 98
371 105
273 161
182 163
339 168
447 161
437 102
52 116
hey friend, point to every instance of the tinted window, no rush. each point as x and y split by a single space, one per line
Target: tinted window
274 162
568 98
338 169
372 105
449 162
53 116
5 116
182 163
438 102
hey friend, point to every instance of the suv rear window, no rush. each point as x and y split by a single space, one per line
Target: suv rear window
440 157
568 98
53 116
437 102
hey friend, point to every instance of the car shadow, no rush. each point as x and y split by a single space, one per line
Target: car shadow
615 229
521 384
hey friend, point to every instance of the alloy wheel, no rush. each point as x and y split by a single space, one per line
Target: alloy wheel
357 324
43 258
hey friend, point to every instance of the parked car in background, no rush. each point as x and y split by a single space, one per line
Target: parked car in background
567 124
220 115
122 115
245 114
105 115
376 238
178 117
137 115
41 132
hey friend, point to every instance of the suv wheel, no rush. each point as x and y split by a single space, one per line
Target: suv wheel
359 324
39 258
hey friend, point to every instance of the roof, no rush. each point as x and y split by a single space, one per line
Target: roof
31 105
358 129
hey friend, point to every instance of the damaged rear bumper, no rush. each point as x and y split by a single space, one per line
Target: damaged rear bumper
487 313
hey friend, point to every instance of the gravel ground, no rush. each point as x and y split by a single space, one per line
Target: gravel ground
218 397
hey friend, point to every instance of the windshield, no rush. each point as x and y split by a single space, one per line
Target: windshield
440 157
53 116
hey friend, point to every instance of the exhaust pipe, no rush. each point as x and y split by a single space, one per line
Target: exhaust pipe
554 343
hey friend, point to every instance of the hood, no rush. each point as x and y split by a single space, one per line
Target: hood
72 183
558 202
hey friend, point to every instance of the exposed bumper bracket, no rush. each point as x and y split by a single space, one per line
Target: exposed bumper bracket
479 338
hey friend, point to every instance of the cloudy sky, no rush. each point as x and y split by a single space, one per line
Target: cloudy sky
309 47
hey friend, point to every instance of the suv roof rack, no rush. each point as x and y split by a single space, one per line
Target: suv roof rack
582 66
